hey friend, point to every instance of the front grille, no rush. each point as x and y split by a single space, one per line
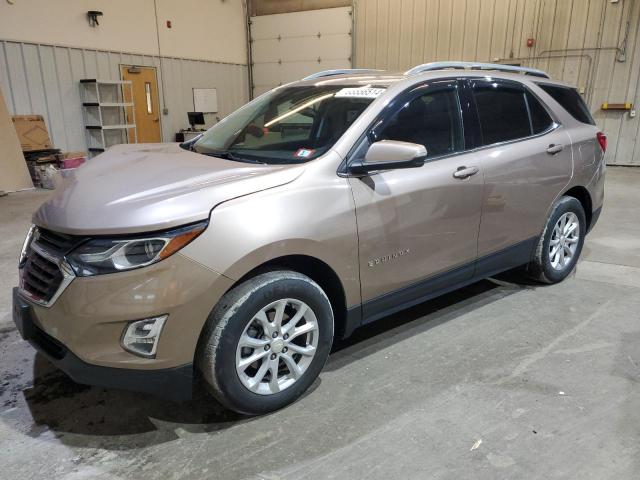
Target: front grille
40 276
43 271
57 243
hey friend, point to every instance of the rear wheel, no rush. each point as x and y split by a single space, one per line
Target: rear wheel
561 242
266 342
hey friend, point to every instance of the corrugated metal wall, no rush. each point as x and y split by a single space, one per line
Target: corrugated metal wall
44 79
594 44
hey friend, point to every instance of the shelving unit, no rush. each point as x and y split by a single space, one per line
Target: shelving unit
108 113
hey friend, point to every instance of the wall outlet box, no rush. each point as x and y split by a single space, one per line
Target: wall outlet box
632 113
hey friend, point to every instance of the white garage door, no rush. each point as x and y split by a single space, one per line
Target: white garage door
288 46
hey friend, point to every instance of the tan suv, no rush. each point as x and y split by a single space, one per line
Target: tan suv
319 207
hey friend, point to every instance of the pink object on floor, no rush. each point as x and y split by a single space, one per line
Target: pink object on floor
72 162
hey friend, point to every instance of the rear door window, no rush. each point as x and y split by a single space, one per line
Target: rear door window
570 100
502 111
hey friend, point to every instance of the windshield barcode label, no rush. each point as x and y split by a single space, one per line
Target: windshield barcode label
360 92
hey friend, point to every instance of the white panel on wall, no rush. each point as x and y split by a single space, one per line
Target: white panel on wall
205 100
211 30
44 80
289 46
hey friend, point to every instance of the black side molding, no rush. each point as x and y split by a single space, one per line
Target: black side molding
417 293
440 284
505 259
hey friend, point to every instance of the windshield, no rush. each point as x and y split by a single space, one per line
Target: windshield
290 125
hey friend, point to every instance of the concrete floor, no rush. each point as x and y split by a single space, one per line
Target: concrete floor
494 381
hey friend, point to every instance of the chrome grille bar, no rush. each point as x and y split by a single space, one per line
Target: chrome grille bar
45 274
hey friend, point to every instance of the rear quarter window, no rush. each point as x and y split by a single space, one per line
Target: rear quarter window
570 100
540 119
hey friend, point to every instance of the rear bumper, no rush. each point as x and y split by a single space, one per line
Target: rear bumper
172 383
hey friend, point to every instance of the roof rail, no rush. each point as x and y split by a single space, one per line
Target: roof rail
329 73
427 67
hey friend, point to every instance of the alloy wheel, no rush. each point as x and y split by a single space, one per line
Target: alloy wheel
277 346
564 241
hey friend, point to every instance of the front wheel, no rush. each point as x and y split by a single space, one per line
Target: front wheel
561 242
266 342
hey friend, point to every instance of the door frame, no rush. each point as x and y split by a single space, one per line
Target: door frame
122 66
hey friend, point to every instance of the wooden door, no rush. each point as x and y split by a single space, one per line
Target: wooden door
145 103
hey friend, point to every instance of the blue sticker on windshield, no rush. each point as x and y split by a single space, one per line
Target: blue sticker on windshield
304 152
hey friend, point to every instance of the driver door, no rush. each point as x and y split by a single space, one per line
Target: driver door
418 227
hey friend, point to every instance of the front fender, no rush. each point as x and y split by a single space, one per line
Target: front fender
315 220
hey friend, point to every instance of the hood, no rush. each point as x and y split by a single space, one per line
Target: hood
146 187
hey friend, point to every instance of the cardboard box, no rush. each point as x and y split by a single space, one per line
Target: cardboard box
77 154
51 158
32 132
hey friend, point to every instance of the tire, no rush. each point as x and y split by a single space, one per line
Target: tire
546 266
241 312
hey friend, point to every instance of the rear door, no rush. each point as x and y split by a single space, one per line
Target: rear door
417 227
526 159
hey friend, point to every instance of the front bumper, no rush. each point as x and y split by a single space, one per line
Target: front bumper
172 383
81 332
90 316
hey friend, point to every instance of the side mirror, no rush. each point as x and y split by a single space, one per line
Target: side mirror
390 155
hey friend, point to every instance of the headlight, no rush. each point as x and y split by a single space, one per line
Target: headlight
108 255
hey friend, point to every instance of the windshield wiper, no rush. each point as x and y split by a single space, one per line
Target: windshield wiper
227 155
188 146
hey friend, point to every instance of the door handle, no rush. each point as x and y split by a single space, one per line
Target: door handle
465 172
553 149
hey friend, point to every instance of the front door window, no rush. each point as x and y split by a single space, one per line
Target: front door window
432 119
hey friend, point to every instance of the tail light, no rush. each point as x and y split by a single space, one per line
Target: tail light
602 140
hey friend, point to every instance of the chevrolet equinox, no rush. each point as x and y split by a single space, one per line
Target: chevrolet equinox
318 207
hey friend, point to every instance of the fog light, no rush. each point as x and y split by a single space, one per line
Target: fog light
141 337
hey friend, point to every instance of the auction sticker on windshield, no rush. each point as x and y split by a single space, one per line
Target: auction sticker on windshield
361 92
